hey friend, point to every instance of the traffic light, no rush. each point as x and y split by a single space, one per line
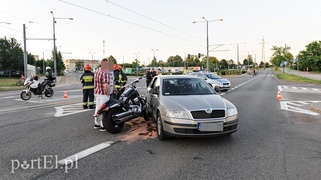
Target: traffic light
188 56
199 55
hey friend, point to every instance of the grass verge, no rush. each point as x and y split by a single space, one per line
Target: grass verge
7 84
296 78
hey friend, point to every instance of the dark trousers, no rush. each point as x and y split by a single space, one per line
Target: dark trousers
148 82
88 94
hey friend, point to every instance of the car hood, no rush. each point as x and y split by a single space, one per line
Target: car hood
222 80
194 102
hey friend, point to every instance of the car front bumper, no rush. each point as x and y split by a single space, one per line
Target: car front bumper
191 129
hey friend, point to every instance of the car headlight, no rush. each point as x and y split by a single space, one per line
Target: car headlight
215 84
231 114
177 114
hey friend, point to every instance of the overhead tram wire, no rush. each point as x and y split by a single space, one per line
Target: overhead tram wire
151 19
129 22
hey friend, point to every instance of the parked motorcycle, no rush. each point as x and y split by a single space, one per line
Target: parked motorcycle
34 87
129 106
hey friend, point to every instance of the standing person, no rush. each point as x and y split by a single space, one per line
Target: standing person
159 71
169 72
124 77
102 94
148 77
153 73
119 81
254 73
87 80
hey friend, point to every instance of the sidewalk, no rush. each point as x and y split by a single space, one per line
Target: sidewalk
310 75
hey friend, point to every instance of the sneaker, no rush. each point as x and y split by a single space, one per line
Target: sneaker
102 129
85 107
96 126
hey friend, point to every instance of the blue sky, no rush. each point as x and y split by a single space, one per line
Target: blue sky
131 28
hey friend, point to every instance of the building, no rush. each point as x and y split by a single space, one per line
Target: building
70 64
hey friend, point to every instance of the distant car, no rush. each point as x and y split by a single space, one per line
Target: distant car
214 79
184 105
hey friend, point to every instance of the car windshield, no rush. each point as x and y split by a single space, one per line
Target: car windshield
213 76
186 86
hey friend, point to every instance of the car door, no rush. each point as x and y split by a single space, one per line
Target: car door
154 94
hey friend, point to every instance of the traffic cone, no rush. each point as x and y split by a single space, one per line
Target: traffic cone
65 94
279 97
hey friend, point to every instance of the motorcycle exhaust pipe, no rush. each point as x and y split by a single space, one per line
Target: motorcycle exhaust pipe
125 119
122 115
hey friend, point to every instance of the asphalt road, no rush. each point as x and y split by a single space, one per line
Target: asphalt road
275 139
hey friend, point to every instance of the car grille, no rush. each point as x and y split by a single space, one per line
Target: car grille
226 83
205 115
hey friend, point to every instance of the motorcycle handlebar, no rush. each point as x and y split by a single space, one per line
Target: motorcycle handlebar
132 83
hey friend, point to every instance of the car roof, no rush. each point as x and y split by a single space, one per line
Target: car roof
176 76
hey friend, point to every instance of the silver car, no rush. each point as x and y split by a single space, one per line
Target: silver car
184 105
214 79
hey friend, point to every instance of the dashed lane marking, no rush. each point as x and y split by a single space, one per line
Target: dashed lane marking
85 153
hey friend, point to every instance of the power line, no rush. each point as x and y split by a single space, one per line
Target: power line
129 22
151 19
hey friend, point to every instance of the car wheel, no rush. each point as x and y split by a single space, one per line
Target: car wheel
160 130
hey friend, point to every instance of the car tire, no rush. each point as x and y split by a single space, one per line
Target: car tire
160 130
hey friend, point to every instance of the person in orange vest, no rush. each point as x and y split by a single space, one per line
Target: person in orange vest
87 80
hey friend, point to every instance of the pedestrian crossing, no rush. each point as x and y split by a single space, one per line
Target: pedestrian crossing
299 89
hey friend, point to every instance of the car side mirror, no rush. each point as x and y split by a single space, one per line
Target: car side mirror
154 91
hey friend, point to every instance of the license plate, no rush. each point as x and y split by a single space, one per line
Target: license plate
210 126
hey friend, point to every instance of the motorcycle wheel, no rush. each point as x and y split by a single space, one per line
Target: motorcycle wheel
25 95
108 122
49 92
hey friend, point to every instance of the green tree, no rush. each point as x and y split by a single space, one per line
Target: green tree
175 61
79 65
280 55
59 62
11 55
135 64
311 57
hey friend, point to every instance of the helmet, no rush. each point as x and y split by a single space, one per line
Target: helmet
48 68
116 67
87 67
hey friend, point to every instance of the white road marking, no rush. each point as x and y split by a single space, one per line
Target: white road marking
69 109
85 153
293 106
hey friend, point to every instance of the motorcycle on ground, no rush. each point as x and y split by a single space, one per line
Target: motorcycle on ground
129 106
34 87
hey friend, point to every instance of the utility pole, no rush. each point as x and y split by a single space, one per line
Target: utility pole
263 50
25 60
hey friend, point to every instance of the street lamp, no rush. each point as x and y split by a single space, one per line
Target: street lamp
54 40
154 56
207 45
